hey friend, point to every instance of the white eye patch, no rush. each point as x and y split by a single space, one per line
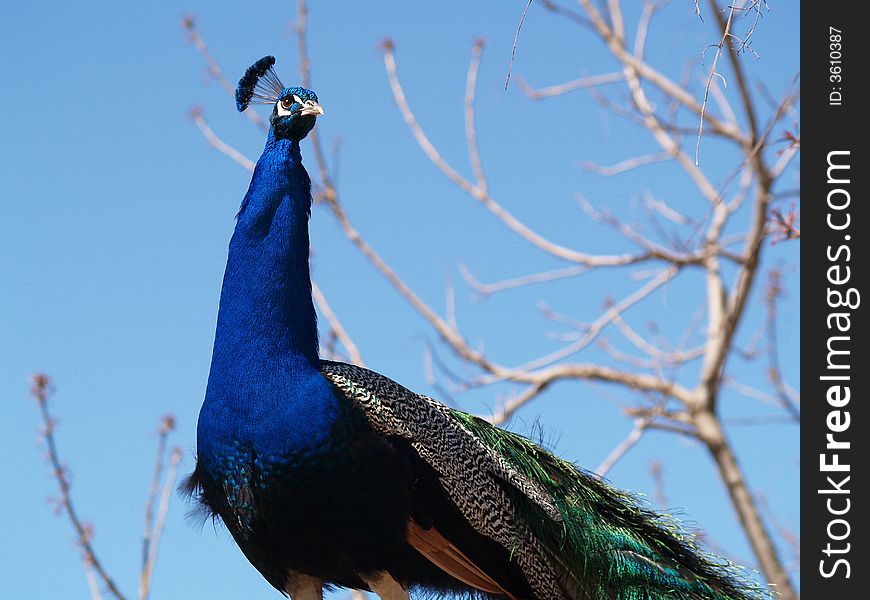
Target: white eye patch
286 111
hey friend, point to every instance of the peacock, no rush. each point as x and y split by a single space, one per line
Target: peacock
330 475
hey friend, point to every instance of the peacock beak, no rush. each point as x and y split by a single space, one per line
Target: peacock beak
311 108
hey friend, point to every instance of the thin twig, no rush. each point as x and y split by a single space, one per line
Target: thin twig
563 11
662 208
616 23
217 143
41 389
631 440
569 86
751 392
470 129
665 140
479 194
336 326
662 356
639 362
512 404
713 73
626 165
647 13
167 425
482 290
645 71
214 68
514 48
160 522
521 374
657 472
772 295
674 257
93 584
722 101
592 331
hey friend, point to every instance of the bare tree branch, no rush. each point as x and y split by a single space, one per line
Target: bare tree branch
725 33
214 68
218 144
487 289
771 295
167 425
41 390
643 70
516 39
93 584
336 326
649 10
470 130
627 164
654 352
159 523
570 86
479 194
640 426
514 403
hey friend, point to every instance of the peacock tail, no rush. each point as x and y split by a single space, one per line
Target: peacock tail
573 535
610 545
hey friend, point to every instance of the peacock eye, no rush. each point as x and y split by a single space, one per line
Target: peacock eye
286 103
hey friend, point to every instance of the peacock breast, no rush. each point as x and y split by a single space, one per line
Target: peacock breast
247 479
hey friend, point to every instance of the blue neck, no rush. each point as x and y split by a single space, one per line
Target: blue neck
265 393
266 312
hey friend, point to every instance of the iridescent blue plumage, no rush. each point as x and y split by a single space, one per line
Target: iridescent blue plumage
278 449
329 474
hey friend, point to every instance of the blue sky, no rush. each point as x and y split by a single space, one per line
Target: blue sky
118 213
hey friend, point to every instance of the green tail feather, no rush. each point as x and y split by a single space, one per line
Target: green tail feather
609 546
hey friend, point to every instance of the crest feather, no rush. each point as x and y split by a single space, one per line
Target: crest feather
259 84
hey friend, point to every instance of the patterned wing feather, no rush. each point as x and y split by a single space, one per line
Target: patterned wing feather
572 535
470 473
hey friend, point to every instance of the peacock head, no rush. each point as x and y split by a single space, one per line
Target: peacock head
295 109
294 114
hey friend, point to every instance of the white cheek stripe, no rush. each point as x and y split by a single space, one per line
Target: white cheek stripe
282 111
307 106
